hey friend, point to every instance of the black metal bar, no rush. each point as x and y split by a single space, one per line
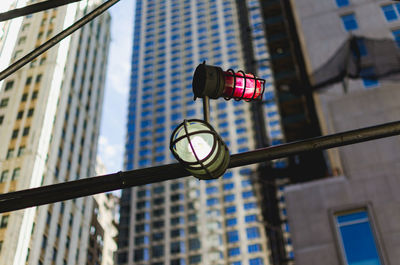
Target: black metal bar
56 39
34 8
64 191
206 108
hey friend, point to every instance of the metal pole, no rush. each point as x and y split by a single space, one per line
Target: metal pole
56 39
206 108
34 8
64 191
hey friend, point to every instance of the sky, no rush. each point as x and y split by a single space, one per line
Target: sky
115 105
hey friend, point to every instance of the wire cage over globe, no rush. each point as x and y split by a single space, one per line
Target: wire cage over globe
198 147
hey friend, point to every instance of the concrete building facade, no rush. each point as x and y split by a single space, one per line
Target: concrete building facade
49 124
350 218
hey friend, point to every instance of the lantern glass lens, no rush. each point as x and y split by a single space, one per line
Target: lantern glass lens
202 143
199 148
245 86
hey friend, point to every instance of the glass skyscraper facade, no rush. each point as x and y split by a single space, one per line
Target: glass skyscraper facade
187 221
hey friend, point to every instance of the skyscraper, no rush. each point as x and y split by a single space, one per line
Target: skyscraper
49 124
187 221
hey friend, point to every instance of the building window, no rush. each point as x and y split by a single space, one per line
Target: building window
247 194
20 114
141 254
4 221
15 174
254 248
30 112
232 236
195 259
14 134
28 80
4 102
342 3
250 218
38 78
35 94
230 210
9 85
4 176
1 119
349 22
368 77
158 236
21 150
194 244
24 97
396 35
25 131
256 261
250 205
157 251
252 232
229 198
233 252
10 153
389 12
177 247
356 238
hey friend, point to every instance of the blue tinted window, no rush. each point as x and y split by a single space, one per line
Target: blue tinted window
231 222
243 149
256 261
233 236
230 209
191 112
176 116
389 12
250 218
349 22
368 77
242 140
233 252
246 183
357 238
228 175
229 186
250 205
229 198
252 232
247 194
341 3
212 201
254 248
362 49
211 190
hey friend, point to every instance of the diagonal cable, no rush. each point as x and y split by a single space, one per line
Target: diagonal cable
56 39
34 8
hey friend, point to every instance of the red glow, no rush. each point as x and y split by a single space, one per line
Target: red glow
253 89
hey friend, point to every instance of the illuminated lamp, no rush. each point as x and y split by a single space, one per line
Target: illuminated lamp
201 151
212 81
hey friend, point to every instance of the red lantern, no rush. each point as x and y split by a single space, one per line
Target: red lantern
213 82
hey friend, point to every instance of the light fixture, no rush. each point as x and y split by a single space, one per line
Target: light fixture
198 147
212 81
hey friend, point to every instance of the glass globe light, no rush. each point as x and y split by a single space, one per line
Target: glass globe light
198 147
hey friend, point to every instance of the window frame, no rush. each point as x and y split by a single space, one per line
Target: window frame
367 207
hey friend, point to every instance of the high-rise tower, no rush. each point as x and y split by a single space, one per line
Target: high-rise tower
187 221
49 124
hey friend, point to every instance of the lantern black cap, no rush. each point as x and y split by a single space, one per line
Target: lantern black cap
208 81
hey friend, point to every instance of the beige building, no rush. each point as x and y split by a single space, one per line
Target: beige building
49 124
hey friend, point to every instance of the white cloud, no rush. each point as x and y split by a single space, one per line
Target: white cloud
111 154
